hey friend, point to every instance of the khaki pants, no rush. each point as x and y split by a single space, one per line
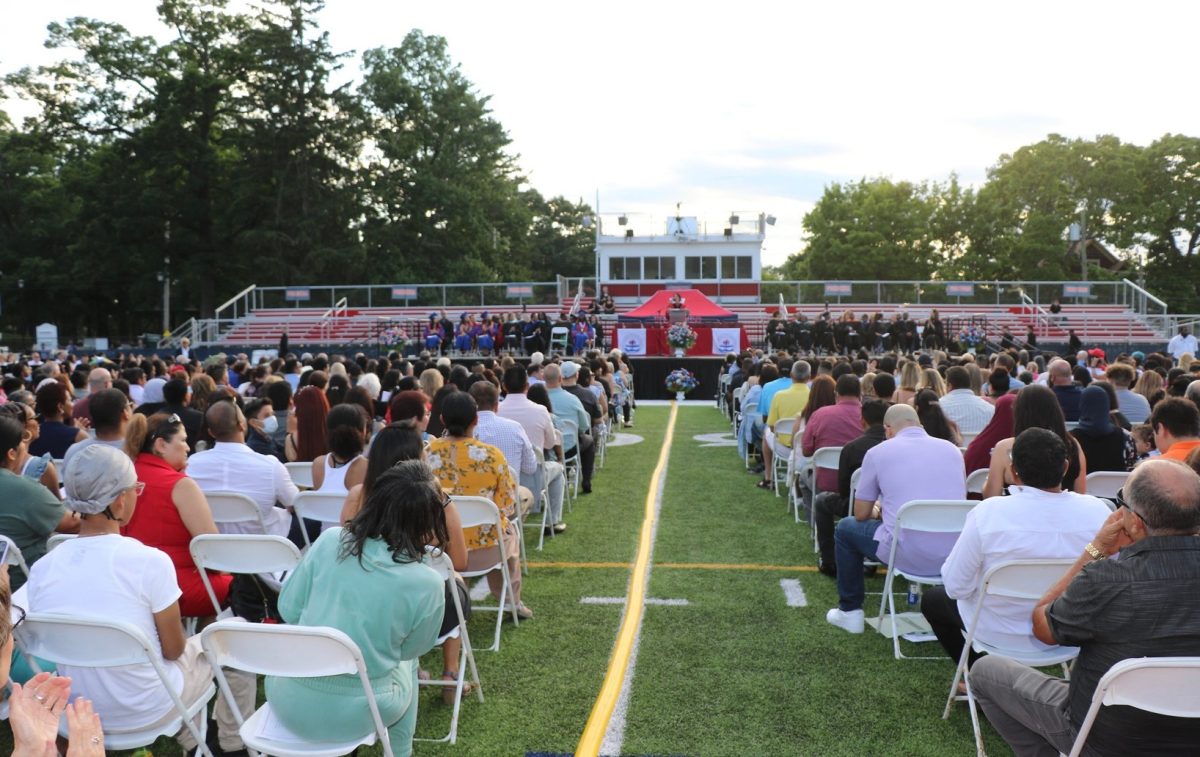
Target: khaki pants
197 675
477 559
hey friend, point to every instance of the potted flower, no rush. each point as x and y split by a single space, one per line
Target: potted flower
681 337
395 337
970 338
681 381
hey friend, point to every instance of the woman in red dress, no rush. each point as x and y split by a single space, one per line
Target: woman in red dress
172 509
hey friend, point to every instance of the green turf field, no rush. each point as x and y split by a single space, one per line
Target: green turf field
734 672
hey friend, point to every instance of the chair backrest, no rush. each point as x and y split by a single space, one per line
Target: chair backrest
570 433
936 516
322 506
1023 579
1163 685
57 539
968 437
85 642
234 507
1106 483
288 652
827 457
301 474
854 477
783 427
476 511
976 480
241 553
15 558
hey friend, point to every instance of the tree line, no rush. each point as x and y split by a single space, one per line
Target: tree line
1142 202
243 150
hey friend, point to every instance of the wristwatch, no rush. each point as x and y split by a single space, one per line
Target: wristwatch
1091 550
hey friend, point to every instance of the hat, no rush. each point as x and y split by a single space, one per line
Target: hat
1096 352
153 391
432 316
1138 355
96 477
569 369
484 314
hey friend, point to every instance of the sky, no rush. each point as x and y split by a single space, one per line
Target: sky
757 106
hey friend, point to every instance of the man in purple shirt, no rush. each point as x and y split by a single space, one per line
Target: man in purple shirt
833 426
910 465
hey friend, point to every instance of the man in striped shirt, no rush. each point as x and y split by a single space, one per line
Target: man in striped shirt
969 411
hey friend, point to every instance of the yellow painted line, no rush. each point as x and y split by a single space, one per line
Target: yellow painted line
678 566
606 701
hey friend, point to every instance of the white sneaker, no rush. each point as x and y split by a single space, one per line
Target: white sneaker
852 621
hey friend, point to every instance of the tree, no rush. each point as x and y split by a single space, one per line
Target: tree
557 240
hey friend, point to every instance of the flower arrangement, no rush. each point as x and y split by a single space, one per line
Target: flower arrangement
394 336
681 381
971 337
681 336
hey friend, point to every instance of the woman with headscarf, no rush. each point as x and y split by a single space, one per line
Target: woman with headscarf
1106 446
1000 427
152 397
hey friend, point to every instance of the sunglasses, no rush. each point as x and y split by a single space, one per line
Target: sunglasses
20 616
165 428
1122 503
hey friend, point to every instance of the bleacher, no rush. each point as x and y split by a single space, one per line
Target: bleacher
361 326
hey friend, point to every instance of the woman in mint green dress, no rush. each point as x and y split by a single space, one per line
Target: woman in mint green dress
367 580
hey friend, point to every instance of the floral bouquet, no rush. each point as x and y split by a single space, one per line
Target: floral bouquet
394 336
971 337
681 337
681 381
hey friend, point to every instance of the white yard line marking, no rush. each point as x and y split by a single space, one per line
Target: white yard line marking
793 592
621 601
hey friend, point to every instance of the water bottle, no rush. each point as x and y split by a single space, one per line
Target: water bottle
914 594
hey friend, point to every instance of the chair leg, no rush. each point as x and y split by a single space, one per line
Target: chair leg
959 674
979 750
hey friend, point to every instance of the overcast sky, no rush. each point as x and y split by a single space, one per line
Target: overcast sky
755 106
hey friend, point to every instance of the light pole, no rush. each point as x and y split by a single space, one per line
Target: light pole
165 277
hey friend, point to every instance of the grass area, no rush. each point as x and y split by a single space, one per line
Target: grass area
736 672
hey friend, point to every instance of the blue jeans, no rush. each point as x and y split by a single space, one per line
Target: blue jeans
853 540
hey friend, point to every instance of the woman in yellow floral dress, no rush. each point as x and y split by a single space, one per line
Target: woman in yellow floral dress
466 466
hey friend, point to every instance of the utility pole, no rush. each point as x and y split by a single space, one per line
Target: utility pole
1083 271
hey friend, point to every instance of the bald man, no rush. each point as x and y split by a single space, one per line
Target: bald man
1146 603
907 466
1066 391
98 380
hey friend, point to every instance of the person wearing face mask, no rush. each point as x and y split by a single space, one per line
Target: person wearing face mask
261 428
234 465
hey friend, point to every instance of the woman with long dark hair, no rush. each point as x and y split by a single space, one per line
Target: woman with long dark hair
307 438
979 452
367 580
1036 407
435 427
933 419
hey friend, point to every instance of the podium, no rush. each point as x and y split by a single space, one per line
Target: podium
677 315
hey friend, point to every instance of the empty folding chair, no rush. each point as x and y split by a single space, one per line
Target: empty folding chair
242 554
319 506
558 339
289 652
440 561
929 516
1025 580
480 511
95 643
1163 685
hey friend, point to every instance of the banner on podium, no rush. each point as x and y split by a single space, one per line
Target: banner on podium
632 341
726 341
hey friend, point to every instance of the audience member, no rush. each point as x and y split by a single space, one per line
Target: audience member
509 437
40 469
1105 445
1035 407
307 438
933 420
568 408
962 406
29 513
261 425
1176 424
1104 607
539 429
344 465
1066 391
834 426
56 435
175 402
1133 406
110 417
98 380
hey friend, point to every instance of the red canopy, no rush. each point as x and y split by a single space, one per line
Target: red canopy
698 305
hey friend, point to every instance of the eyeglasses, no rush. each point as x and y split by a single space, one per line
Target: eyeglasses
164 428
1122 503
20 617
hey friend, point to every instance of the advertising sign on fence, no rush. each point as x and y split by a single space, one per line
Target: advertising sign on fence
296 295
518 291
1077 290
838 289
404 293
960 289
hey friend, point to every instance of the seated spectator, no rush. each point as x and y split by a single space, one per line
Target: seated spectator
105 575
1037 520
1133 406
1151 386
261 425
1066 391
538 424
833 426
171 509
344 466
466 466
1035 407
1144 604
98 380
509 437
375 561
280 395
152 397
887 476
110 418
884 385
567 406
1105 445
232 465
933 420
830 506
53 405
175 402
1176 424
29 513
40 469
822 394
963 407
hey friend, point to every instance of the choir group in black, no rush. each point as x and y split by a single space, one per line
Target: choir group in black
850 333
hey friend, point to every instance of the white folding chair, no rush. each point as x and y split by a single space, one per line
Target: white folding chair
746 417
440 561
96 643
1105 483
739 411
57 539
854 477
289 652
976 480
967 437
573 463
558 338
518 519
234 507
827 458
242 553
319 506
480 511
781 462
1162 685
722 390
301 474
930 516
15 558
1025 580
542 497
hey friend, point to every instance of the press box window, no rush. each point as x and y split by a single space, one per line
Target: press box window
700 267
737 267
660 269
624 269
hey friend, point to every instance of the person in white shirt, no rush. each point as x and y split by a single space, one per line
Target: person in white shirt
231 466
107 576
1183 343
968 410
508 436
539 427
1037 520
